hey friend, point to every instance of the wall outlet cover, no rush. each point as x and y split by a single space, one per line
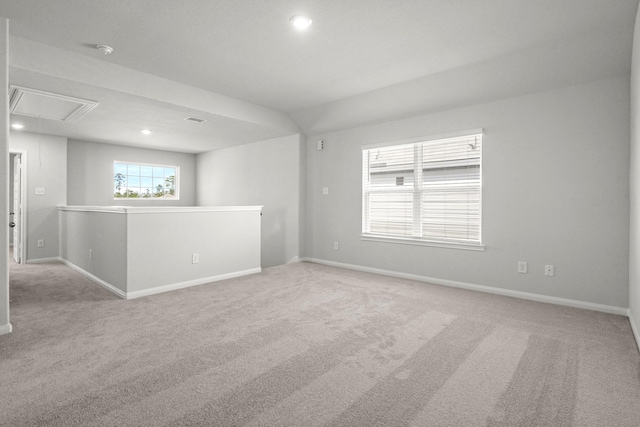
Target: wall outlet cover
548 270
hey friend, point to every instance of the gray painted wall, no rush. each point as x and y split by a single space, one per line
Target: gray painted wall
555 191
90 173
634 179
4 160
46 168
105 234
262 173
227 242
142 251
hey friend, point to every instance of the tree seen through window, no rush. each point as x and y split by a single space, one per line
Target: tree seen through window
142 181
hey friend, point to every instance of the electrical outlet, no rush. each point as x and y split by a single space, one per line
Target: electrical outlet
548 270
195 258
336 246
522 267
325 190
41 243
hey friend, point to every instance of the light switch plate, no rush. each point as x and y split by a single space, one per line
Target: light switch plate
522 267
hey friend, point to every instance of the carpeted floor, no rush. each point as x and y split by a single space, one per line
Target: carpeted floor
308 345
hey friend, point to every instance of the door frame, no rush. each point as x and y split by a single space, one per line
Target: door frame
23 195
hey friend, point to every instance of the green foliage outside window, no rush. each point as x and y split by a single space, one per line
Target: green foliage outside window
140 181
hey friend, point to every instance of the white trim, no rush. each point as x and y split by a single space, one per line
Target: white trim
634 328
158 289
25 200
96 279
183 209
43 260
176 183
6 329
478 131
189 283
294 260
480 288
414 220
104 209
421 242
85 105
158 209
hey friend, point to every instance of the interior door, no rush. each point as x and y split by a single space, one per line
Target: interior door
17 208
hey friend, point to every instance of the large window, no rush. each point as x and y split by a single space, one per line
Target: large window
425 192
144 181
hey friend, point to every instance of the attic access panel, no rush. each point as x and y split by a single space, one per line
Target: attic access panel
47 105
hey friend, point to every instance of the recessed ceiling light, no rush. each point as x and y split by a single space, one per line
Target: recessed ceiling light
301 22
17 126
146 131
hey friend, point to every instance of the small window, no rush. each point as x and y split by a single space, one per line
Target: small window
425 192
144 181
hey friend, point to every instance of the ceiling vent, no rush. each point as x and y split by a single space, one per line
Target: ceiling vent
193 119
47 105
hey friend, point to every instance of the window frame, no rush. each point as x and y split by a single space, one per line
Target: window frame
417 192
129 163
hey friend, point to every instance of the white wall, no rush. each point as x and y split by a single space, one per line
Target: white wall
555 191
227 243
634 179
10 179
264 173
90 173
102 233
140 251
46 168
5 326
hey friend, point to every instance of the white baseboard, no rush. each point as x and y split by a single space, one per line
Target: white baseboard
99 281
6 329
634 328
294 260
189 283
159 289
43 260
480 288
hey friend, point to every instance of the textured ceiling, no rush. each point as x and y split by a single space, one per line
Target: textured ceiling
356 51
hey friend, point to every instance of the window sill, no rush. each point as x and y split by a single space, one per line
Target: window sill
420 242
167 199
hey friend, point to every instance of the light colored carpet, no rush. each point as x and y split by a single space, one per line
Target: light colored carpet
308 345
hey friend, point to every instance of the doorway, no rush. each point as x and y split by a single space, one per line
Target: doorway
17 205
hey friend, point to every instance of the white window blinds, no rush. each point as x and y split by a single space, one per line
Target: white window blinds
427 191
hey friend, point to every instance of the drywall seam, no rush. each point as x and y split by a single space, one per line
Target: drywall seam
480 288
